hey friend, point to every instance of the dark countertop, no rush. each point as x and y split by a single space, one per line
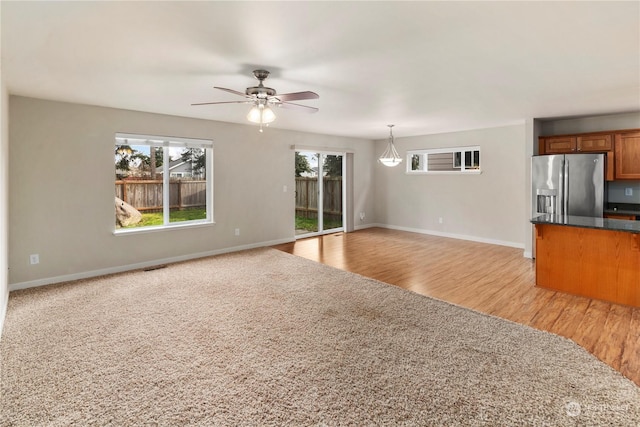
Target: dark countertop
588 222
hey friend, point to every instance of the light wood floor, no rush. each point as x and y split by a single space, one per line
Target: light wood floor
492 279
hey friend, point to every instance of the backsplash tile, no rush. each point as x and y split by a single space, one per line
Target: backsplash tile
617 192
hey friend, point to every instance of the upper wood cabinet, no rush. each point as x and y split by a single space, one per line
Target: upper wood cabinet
560 144
595 142
627 149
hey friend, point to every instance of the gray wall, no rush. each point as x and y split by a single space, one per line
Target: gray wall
61 189
617 192
485 207
590 124
4 200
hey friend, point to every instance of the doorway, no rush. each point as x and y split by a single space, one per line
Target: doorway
320 193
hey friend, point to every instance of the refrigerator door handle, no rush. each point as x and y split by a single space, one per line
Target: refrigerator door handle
560 204
565 185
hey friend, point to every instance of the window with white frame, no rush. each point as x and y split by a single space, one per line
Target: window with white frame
162 182
444 160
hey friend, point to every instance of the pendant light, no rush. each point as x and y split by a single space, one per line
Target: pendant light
390 156
261 114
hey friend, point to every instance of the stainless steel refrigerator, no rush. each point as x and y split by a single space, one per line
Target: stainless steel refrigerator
568 184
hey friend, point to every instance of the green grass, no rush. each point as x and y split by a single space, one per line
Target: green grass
188 214
311 224
155 218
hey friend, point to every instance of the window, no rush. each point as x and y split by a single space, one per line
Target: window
162 182
444 160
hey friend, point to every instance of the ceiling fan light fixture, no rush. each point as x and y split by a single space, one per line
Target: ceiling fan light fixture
263 98
390 157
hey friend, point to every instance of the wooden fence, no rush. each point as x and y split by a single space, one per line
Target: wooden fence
307 197
147 195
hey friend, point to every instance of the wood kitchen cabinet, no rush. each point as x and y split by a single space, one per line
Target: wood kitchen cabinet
559 144
603 263
594 143
627 157
589 143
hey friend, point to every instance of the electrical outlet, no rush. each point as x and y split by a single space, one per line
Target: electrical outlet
34 259
628 191
361 216
440 221
237 231
284 188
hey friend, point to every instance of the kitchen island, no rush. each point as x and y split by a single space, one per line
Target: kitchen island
592 257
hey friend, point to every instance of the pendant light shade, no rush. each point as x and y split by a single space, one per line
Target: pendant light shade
390 156
261 114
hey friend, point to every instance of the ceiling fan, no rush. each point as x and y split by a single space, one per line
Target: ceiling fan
263 98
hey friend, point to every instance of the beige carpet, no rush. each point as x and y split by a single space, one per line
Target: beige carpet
266 338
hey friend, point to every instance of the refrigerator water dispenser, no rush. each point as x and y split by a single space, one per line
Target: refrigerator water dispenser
547 200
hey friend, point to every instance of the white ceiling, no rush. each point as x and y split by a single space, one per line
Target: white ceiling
427 67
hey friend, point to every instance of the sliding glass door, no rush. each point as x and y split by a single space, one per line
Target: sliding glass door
319 193
332 192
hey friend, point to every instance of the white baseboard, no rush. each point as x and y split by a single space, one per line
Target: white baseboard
137 266
452 235
363 226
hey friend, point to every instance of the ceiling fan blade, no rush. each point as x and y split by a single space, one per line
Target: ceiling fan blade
296 96
235 92
223 102
292 106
